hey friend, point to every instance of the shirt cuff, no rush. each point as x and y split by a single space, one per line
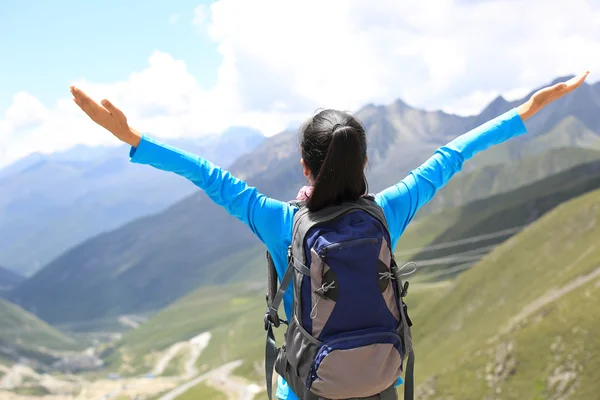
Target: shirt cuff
147 150
517 122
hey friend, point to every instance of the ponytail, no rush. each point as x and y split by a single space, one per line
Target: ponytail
341 177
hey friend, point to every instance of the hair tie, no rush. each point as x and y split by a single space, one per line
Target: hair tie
336 127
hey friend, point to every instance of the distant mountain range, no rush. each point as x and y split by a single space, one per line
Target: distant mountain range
154 260
50 203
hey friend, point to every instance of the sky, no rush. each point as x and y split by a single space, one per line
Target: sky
184 68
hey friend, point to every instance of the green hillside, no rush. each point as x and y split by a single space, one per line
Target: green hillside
566 130
503 212
522 323
22 334
233 315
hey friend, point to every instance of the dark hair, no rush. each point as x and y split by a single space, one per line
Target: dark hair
334 148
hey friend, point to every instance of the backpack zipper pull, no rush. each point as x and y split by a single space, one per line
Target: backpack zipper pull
322 255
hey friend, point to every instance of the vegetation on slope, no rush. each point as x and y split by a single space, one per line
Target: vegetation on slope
24 335
490 180
521 323
202 391
507 211
233 315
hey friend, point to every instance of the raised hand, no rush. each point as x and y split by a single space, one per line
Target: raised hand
107 116
547 95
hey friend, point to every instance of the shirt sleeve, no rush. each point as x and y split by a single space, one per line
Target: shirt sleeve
266 217
401 201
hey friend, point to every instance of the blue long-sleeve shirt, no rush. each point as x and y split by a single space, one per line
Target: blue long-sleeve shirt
271 220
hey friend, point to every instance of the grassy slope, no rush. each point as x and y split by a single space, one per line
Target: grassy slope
453 334
237 328
503 211
494 179
28 335
215 309
202 391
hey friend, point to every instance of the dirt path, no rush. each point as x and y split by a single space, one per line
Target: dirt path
548 298
195 345
127 321
223 371
164 361
234 387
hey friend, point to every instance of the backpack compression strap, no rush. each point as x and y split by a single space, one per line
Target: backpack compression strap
409 376
272 317
274 298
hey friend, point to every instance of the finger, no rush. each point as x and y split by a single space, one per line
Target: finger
112 109
80 94
85 100
576 81
87 104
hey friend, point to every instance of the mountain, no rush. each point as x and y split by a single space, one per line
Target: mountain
49 203
522 323
9 279
154 260
446 243
24 335
570 121
494 179
125 290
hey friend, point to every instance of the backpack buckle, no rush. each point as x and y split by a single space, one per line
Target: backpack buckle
272 318
267 323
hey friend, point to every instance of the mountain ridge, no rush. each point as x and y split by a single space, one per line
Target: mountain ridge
9 279
146 258
96 186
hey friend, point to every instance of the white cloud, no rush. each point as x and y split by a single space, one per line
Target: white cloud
281 60
433 54
201 15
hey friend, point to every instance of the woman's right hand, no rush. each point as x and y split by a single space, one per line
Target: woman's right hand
107 116
545 96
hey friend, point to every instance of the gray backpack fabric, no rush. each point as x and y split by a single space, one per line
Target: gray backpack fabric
349 333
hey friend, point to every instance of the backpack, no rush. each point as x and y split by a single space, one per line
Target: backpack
349 332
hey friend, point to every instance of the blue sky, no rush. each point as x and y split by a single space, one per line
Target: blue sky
187 68
49 44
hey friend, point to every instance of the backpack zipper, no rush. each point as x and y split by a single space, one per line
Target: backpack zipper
394 335
363 336
346 244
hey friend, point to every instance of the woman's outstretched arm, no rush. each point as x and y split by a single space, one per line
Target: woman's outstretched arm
266 217
404 199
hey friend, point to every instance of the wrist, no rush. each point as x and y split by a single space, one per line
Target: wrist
527 109
132 137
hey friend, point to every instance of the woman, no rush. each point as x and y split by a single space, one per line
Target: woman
334 154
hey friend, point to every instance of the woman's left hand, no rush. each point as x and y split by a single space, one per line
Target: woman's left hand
545 96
